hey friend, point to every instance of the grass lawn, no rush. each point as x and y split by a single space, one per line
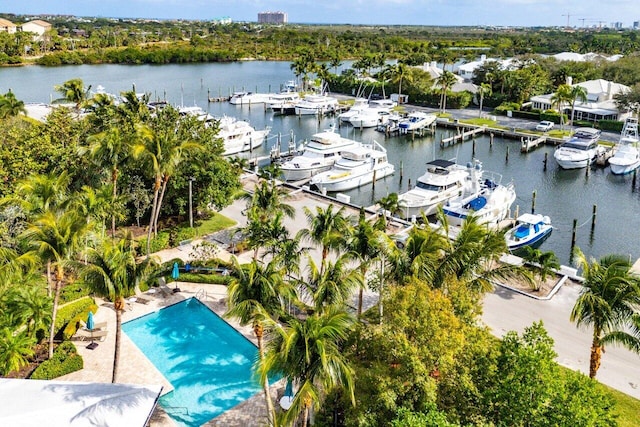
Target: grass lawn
168 237
627 407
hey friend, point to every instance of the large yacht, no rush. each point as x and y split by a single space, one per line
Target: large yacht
443 180
316 105
318 155
580 150
626 158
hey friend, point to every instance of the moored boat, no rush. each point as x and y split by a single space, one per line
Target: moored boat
528 230
626 158
316 105
318 155
486 199
239 136
358 166
247 98
417 120
580 150
443 180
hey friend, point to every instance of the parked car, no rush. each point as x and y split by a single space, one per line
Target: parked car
544 126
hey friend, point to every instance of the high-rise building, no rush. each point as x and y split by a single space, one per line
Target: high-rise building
272 18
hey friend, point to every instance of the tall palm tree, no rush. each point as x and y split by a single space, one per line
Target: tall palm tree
578 93
483 90
445 81
309 353
560 98
37 194
109 149
335 61
399 72
327 228
163 145
363 244
608 302
56 238
260 234
113 273
266 200
256 294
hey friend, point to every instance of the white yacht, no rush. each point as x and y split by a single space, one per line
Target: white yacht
626 158
247 98
283 103
443 180
239 136
417 120
358 105
355 167
370 117
486 199
318 155
580 150
316 105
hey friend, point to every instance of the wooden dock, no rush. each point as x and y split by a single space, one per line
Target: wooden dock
461 136
530 143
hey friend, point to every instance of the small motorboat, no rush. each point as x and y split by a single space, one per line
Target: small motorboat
626 158
528 230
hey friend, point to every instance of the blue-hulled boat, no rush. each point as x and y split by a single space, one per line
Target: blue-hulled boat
529 230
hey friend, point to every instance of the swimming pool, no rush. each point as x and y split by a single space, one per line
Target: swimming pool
208 362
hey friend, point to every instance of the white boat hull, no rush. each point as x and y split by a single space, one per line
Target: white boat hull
416 205
333 181
573 163
245 144
299 174
622 168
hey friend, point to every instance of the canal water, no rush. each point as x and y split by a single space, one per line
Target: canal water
563 195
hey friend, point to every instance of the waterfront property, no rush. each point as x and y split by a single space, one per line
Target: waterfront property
208 362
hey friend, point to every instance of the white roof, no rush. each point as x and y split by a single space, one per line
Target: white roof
62 403
578 57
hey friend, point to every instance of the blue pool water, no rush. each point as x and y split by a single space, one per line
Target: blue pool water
208 362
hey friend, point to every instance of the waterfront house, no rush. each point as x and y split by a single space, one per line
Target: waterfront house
38 27
7 26
600 104
435 72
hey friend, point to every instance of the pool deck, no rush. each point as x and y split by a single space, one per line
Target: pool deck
135 368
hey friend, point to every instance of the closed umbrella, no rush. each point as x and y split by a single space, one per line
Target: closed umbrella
90 326
175 273
287 399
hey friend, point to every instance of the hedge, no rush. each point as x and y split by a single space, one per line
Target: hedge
75 310
610 125
64 361
74 291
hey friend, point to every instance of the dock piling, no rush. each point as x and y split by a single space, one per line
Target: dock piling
546 155
573 234
533 202
593 217
507 157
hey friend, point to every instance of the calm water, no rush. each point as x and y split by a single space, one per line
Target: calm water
563 195
208 362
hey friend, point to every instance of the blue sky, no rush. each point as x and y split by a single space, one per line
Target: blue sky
414 12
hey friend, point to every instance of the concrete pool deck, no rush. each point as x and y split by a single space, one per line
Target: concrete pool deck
135 368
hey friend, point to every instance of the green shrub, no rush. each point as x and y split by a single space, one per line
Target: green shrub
526 115
507 106
64 361
552 116
74 291
609 125
213 279
73 325
67 313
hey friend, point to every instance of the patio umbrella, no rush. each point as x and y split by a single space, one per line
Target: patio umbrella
175 273
287 399
90 326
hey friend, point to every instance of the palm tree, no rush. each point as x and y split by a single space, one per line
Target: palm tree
446 80
57 238
10 106
37 194
309 353
165 148
399 72
14 350
326 228
544 262
267 200
335 62
559 98
113 273
362 243
608 302
332 287
32 306
73 91
390 205
483 90
256 294
578 93
109 149
267 234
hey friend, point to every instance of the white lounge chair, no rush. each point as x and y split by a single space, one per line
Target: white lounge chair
84 335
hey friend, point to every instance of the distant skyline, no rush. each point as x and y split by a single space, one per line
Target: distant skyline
582 13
